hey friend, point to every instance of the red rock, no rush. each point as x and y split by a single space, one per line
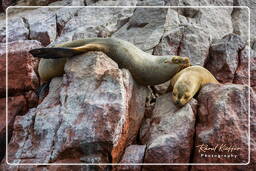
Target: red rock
223 121
6 3
21 67
165 131
223 59
16 106
89 116
241 75
132 154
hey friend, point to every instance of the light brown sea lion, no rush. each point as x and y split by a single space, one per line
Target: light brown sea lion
186 83
145 68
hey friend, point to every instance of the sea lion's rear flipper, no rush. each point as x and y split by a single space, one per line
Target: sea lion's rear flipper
54 52
42 91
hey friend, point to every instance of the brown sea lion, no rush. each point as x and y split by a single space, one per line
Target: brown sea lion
186 83
145 68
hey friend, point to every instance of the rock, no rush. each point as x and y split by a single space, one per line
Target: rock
17 30
101 20
199 3
89 116
78 2
240 18
7 3
2 32
151 3
110 3
222 124
209 23
240 21
187 40
44 32
21 67
32 99
61 3
144 28
216 27
16 106
223 58
253 68
163 133
133 154
241 75
34 3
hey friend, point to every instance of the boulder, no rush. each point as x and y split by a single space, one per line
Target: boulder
89 116
167 128
224 57
22 67
133 154
17 105
222 127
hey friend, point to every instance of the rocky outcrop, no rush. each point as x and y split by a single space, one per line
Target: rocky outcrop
166 130
224 57
90 113
22 80
133 154
22 67
97 113
222 134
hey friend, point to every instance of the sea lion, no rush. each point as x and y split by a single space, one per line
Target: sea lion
146 69
186 83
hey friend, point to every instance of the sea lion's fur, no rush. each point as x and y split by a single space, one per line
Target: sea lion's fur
145 68
187 82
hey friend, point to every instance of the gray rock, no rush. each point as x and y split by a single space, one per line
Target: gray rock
223 58
99 20
17 30
42 26
145 28
240 21
133 154
163 133
110 3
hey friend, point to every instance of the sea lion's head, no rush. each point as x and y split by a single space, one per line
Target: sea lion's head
182 92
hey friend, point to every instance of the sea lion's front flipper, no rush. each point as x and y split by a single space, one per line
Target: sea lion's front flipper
54 52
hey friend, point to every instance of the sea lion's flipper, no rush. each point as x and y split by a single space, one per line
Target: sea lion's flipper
42 90
54 52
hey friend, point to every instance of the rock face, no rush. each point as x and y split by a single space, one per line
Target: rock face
133 154
16 106
96 113
21 67
67 121
222 126
165 130
223 60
